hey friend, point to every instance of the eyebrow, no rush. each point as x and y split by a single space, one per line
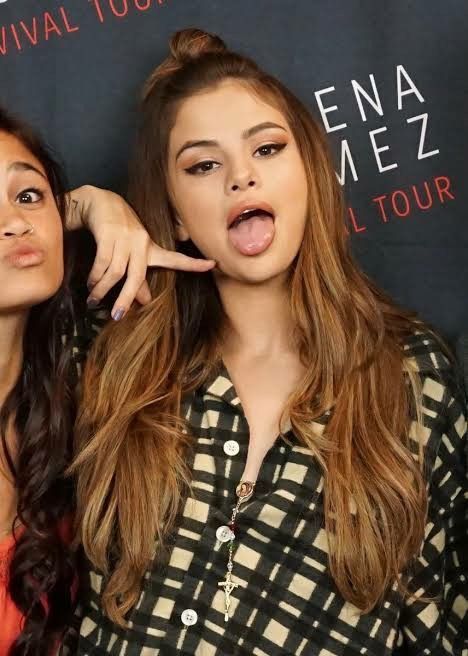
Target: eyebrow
25 166
250 132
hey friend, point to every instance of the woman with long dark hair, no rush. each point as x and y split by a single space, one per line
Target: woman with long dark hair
270 457
37 410
39 354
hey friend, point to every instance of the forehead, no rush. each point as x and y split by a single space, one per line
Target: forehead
12 150
224 111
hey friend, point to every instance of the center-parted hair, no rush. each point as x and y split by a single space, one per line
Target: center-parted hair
131 462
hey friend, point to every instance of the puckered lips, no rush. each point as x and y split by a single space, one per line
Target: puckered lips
251 227
24 256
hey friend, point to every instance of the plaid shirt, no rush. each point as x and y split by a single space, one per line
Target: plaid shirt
286 602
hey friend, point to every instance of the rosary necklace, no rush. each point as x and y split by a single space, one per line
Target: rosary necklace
244 491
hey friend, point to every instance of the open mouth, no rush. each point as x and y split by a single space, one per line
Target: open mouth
249 214
252 230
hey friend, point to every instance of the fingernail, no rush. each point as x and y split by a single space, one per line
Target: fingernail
92 302
90 285
118 314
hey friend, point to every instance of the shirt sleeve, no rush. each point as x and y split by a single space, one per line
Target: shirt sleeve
440 573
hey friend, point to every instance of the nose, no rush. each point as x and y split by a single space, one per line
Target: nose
242 177
240 186
14 227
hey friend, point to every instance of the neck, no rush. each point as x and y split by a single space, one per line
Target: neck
259 323
12 327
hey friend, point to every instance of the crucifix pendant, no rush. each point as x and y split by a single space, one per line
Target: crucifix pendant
243 491
228 586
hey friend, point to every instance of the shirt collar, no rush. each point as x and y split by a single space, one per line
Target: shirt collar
221 386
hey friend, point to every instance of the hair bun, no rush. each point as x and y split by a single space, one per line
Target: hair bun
192 43
185 46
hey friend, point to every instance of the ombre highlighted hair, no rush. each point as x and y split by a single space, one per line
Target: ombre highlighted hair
131 461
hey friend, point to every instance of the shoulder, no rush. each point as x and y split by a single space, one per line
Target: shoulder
428 356
427 353
443 404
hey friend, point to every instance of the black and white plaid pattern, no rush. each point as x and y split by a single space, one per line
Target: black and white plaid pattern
87 324
286 602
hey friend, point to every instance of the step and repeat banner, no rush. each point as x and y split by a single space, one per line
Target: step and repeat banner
389 82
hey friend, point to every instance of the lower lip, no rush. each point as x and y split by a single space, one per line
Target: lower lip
26 260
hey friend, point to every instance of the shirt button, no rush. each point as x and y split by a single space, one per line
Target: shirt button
224 534
189 617
231 448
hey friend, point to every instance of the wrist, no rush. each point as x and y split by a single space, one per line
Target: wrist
80 201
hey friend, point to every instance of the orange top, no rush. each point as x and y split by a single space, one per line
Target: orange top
11 617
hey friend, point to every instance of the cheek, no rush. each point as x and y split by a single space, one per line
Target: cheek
296 198
58 254
53 238
297 179
199 211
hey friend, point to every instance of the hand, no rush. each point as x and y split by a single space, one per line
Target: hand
123 247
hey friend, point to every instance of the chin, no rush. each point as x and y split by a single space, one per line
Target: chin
264 279
257 271
25 299
272 263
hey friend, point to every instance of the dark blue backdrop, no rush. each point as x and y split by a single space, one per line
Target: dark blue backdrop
74 68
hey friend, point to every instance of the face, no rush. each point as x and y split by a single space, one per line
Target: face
237 182
31 235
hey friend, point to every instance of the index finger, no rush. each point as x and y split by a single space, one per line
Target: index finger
174 260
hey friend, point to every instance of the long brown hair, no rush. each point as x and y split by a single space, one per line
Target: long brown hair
41 407
131 468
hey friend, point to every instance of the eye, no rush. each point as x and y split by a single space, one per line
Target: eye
30 196
269 149
202 168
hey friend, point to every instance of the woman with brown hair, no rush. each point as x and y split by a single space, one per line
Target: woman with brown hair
270 457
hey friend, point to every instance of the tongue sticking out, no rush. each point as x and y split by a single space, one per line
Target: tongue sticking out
253 235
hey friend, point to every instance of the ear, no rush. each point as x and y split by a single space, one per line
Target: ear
181 231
